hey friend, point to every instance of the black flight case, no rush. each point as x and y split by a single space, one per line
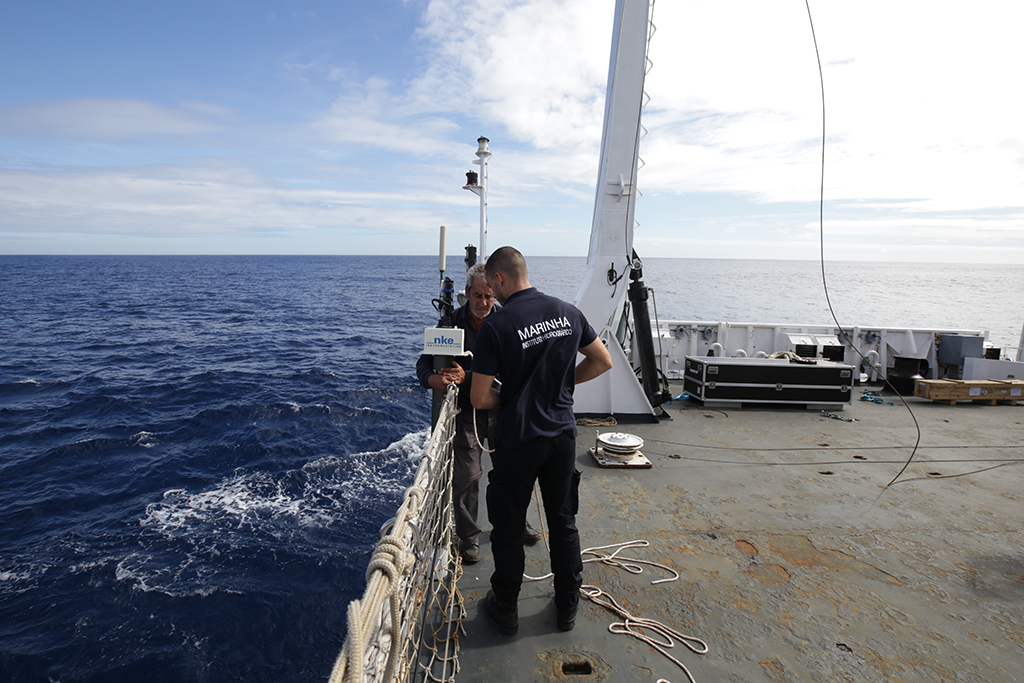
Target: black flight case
816 384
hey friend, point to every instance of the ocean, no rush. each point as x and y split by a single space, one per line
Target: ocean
197 453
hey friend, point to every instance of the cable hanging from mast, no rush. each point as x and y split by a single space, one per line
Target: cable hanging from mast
821 244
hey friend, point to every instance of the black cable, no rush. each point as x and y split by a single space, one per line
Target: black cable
821 243
961 474
1003 461
830 448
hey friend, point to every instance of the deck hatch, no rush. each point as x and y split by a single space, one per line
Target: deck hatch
577 668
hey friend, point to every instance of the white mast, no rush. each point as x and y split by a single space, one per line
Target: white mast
611 238
480 189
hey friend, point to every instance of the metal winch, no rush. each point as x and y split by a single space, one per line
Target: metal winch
618 449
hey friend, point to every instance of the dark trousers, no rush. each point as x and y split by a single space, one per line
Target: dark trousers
468 469
552 463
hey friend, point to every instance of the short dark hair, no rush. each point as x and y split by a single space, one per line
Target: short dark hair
507 261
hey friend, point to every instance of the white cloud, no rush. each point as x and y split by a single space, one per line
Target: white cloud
919 102
110 119
538 67
919 97
924 138
199 200
423 136
536 70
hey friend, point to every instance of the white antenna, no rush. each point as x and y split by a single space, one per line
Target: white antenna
444 244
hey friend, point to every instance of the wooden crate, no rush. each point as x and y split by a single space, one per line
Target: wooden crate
988 391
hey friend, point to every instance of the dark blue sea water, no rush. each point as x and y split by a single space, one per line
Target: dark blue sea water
196 453
195 456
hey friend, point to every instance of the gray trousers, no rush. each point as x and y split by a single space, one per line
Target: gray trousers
468 470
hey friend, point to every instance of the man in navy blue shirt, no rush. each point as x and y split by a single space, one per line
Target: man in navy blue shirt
532 345
468 465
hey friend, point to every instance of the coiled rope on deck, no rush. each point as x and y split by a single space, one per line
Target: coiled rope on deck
630 624
636 626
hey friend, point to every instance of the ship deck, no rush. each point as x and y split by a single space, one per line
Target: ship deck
791 566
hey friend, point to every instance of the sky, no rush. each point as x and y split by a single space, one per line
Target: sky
343 127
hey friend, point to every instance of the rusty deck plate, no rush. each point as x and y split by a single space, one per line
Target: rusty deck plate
792 565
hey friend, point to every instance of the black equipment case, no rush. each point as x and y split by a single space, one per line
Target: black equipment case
814 383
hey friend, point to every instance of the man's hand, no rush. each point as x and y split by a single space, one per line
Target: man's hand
440 380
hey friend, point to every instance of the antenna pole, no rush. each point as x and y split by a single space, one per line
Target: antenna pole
478 186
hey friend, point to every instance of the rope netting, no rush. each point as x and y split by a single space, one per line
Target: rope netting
406 626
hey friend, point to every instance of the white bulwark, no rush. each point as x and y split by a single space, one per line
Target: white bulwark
444 341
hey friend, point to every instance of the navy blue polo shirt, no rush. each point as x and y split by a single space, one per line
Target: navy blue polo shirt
531 346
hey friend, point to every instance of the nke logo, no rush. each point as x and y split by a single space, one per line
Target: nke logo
444 340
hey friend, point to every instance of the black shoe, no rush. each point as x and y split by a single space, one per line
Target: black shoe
470 553
530 535
506 615
567 620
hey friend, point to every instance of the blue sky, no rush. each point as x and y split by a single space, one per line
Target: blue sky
314 127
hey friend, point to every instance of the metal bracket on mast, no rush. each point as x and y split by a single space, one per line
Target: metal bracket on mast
624 189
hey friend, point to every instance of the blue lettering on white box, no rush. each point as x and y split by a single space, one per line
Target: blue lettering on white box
444 341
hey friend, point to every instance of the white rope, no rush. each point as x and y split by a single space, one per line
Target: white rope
630 564
400 592
478 441
634 626
631 624
475 433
